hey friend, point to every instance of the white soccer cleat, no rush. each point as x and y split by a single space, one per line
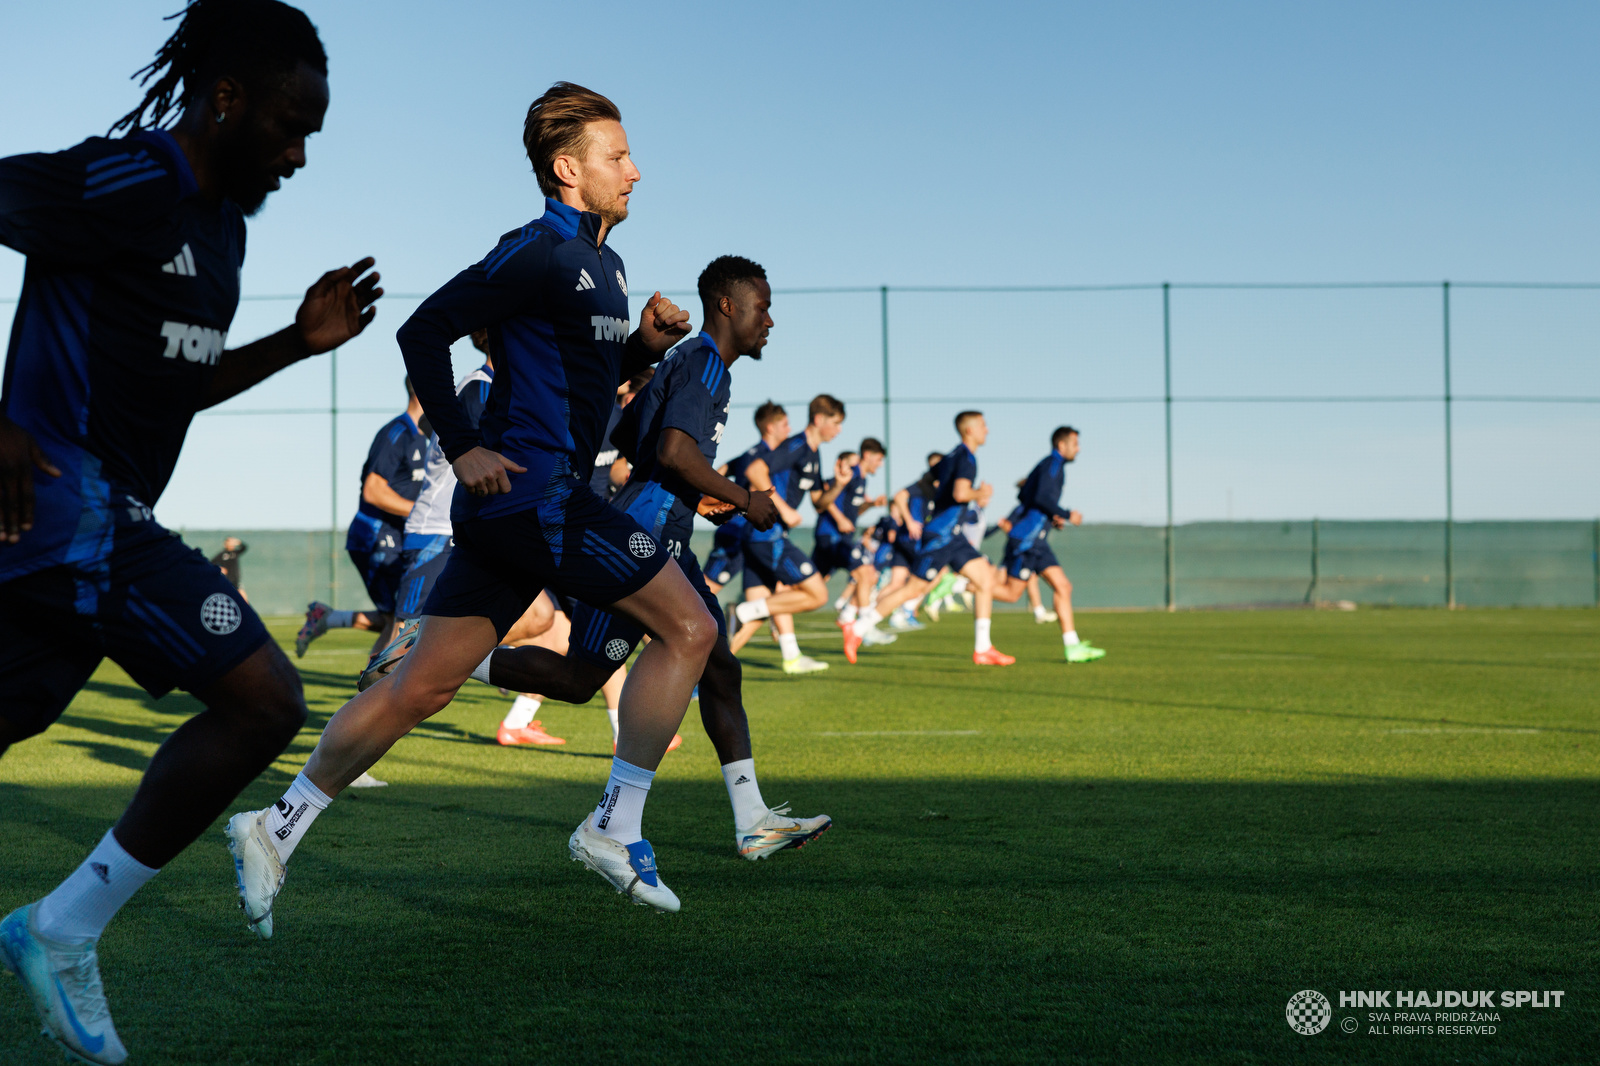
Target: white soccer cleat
628 868
804 664
876 637
256 868
776 831
63 980
1045 616
366 780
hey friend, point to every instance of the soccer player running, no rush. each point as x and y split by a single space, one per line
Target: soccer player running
942 543
391 480
793 470
726 558
553 295
672 436
838 545
1028 553
134 247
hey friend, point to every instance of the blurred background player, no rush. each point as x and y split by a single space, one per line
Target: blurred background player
227 560
726 558
943 544
134 247
907 510
391 480
1028 551
771 560
838 545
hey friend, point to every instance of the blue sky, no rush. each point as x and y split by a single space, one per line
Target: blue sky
933 144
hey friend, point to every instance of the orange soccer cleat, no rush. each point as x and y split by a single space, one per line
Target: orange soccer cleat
852 644
532 733
677 742
993 657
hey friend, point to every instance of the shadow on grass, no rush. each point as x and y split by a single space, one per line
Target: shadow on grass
961 921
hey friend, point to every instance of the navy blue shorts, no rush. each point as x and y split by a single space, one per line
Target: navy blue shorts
726 560
841 554
771 562
607 639
423 557
1025 560
572 542
152 604
955 551
381 570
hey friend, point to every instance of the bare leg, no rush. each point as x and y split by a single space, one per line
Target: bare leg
742 636
722 706
1063 594
251 715
1035 601
446 653
980 573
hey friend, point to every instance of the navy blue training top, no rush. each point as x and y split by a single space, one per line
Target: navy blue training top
1040 498
946 513
399 456
849 502
555 302
600 474
690 392
131 285
739 526
796 469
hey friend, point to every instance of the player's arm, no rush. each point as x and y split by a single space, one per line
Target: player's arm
1046 497
844 524
760 477
680 453
662 324
336 308
376 491
471 300
618 475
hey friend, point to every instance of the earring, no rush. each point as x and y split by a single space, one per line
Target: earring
221 118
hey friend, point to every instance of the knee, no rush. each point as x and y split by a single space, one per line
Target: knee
282 711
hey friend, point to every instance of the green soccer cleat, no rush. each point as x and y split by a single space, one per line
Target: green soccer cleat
1084 652
805 664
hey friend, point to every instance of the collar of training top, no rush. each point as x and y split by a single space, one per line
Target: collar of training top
710 343
165 143
570 222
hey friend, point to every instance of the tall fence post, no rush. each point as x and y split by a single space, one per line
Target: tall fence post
1312 592
1597 562
1449 473
1166 363
333 478
883 317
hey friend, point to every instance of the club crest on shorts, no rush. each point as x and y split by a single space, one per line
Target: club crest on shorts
220 615
1309 1012
617 650
641 545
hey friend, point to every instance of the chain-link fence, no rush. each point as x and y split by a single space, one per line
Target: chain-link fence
1409 403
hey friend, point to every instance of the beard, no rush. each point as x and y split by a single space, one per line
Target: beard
607 204
244 180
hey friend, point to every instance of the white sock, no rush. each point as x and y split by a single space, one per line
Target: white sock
751 611
341 619
847 613
622 804
789 645
523 708
291 816
866 620
81 906
844 598
744 793
481 671
611 713
1039 612
960 585
980 633
1070 637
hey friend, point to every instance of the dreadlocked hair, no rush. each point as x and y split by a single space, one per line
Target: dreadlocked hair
252 40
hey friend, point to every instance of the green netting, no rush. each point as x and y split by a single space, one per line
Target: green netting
1216 564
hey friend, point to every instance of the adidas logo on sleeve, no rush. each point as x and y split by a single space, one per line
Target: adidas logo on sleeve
182 264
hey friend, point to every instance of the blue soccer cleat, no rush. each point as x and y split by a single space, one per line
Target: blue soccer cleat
63 980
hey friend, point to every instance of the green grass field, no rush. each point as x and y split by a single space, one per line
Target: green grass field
1134 861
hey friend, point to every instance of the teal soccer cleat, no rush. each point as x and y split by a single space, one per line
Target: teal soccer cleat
63 980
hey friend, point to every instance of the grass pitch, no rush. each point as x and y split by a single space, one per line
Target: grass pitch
1137 860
